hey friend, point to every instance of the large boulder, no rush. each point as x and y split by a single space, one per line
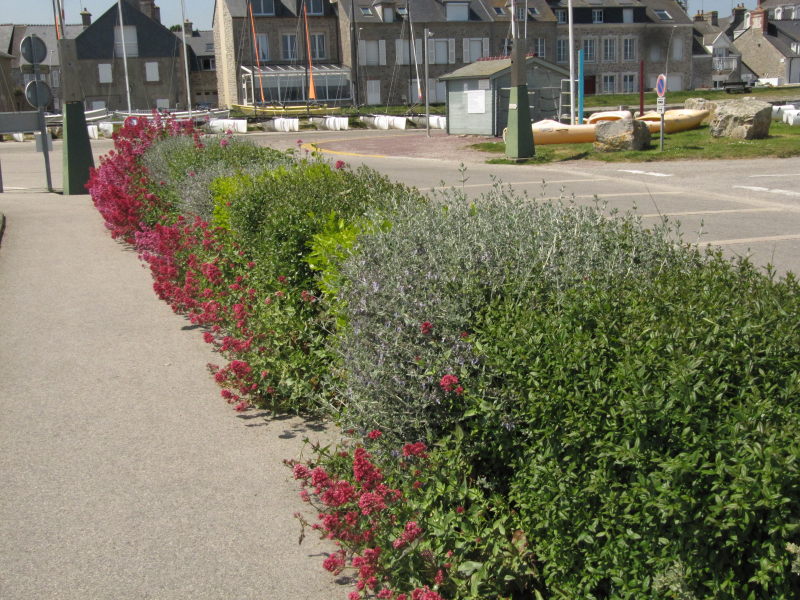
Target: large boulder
625 134
744 119
712 106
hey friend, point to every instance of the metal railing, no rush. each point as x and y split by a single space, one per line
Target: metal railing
725 63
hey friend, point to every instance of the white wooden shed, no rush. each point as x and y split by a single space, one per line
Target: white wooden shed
477 94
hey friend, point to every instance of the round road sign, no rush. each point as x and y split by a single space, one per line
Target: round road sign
38 94
33 49
661 85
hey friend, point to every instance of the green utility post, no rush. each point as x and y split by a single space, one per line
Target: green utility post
519 137
77 149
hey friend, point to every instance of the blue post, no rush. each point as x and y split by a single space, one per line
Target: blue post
580 86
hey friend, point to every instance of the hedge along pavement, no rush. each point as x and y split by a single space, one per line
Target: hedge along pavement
603 413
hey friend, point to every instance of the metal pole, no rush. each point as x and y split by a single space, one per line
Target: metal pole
571 64
186 59
641 88
581 89
42 128
425 35
124 55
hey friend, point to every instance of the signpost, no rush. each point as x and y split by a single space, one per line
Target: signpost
661 89
38 93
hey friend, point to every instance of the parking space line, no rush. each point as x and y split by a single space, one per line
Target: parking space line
755 188
754 240
690 213
650 173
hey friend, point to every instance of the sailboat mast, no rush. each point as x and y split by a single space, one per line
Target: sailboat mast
124 55
312 92
186 59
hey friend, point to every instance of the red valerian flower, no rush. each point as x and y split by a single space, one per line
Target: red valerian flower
449 383
417 449
339 165
426 327
374 434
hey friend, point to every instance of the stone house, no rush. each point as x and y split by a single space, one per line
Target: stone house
202 66
21 71
716 59
368 54
769 41
615 35
154 61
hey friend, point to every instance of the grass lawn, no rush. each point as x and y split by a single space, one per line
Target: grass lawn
632 100
783 142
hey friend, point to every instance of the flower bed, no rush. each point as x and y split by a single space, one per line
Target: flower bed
539 400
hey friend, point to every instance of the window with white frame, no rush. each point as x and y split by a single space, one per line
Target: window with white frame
663 15
677 49
629 49
519 12
403 53
289 46
475 48
609 49
263 7
441 51
628 83
508 44
317 46
104 73
627 15
609 83
562 50
589 49
386 13
457 11
540 47
597 15
128 33
561 16
372 52
314 7
655 53
262 43
151 71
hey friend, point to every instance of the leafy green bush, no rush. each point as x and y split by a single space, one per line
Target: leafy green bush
651 428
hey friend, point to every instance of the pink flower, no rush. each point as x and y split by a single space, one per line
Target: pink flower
241 407
334 563
353 596
426 328
385 593
417 449
374 434
340 165
459 509
224 142
301 471
448 383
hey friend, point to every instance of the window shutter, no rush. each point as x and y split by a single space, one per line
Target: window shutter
486 47
467 58
381 52
362 52
451 51
398 52
431 52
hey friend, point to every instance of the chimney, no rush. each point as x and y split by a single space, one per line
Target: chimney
188 28
699 17
714 20
149 8
738 14
86 18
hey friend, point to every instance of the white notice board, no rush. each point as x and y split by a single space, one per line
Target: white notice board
476 102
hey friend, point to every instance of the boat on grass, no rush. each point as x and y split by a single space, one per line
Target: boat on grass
674 120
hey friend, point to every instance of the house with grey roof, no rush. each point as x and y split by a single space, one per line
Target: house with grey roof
769 41
716 58
202 66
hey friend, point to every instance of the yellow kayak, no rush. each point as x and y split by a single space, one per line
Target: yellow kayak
553 132
674 120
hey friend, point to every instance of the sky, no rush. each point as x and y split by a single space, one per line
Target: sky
200 12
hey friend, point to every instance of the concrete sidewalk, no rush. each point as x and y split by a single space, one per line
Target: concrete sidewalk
124 474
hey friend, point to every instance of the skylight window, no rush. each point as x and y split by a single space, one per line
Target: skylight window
402 10
663 15
366 11
498 10
533 11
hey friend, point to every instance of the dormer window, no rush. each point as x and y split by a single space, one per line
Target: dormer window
561 15
597 15
796 47
779 13
385 12
457 11
520 13
314 7
263 7
663 15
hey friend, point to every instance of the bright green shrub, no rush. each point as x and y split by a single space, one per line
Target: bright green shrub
651 428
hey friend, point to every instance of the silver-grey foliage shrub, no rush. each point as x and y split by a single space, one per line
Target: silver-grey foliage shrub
441 263
187 171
